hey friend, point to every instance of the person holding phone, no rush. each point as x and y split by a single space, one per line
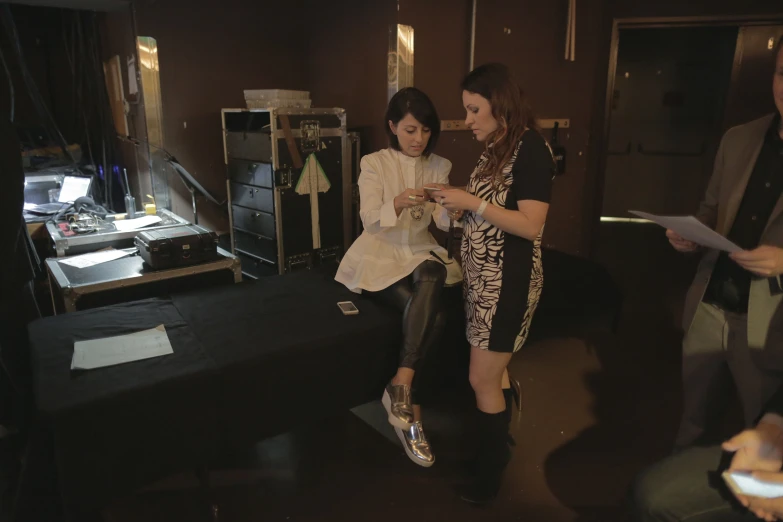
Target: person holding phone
396 259
767 508
688 486
505 205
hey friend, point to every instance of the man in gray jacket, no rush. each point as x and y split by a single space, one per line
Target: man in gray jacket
733 311
734 324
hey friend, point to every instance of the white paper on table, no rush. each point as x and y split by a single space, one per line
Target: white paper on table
109 351
94 258
690 228
124 225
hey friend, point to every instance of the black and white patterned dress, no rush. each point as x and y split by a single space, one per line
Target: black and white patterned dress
503 273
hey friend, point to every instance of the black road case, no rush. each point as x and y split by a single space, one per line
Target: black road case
289 187
177 247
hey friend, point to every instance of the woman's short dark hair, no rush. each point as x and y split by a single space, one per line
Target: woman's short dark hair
411 100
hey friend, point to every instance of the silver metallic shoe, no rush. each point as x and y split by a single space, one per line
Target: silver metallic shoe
416 446
397 401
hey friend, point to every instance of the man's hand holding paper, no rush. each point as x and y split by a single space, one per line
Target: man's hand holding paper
688 234
764 261
680 244
690 229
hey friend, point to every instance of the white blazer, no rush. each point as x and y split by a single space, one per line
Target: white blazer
391 246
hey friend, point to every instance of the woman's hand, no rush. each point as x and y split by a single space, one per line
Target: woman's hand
430 188
456 215
407 199
456 199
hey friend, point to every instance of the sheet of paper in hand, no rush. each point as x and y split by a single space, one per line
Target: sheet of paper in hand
690 228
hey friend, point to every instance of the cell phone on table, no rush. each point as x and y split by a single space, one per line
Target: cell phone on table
347 308
744 483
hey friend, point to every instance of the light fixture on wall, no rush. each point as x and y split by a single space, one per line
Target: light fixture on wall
149 73
400 58
570 43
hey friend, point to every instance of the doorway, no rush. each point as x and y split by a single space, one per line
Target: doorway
674 92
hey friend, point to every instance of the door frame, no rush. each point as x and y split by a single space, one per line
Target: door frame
650 23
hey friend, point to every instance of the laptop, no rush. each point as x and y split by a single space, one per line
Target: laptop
73 188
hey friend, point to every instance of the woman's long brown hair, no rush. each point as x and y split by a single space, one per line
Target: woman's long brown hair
511 110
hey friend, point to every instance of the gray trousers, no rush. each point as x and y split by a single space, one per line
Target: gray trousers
687 487
715 352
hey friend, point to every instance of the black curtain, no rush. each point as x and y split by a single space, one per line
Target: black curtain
16 273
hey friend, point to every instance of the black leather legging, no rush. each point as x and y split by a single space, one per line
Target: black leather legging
418 297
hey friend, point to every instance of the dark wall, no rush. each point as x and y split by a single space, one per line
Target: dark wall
534 50
337 50
207 58
666 8
442 47
347 62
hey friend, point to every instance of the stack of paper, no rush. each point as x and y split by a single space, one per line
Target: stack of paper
121 349
124 225
94 258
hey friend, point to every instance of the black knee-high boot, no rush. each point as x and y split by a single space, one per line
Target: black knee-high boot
492 457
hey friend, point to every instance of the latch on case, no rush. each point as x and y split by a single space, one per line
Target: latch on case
311 135
283 177
298 262
328 254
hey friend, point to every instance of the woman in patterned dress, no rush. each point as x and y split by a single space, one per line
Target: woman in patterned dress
505 205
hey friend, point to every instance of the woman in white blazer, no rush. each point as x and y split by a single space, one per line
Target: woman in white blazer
396 259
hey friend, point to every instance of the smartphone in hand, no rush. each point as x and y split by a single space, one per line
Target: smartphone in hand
744 483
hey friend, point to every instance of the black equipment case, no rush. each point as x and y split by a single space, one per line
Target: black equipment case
289 187
177 246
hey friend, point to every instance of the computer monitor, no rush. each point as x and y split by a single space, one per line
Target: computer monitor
74 187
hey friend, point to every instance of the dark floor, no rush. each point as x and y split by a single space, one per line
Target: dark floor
598 406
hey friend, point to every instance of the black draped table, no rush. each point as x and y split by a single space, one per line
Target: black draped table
249 361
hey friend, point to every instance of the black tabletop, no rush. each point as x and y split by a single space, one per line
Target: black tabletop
248 360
